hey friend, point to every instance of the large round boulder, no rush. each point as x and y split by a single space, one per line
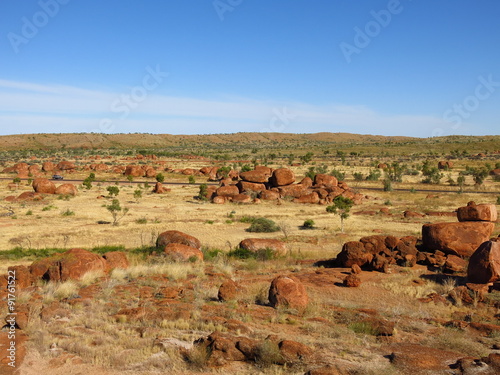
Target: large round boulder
175 236
66 166
288 291
134 171
354 253
460 239
282 176
67 189
484 264
256 244
43 186
48 166
325 180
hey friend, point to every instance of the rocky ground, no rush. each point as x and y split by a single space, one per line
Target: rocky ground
413 287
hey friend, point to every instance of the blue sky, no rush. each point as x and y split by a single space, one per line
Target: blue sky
417 68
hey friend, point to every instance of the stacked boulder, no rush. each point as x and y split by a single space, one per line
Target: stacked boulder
179 246
44 186
475 225
378 252
444 245
267 184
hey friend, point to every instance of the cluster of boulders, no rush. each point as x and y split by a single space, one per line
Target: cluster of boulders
24 170
265 183
378 252
70 265
43 186
445 164
475 225
455 247
222 348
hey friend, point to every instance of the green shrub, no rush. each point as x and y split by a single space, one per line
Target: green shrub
374 175
261 254
113 190
387 184
68 212
106 249
202 194
308 224
141 220
338 175
263 225
246 219
20 253
209 254
364 328
160 177
358 176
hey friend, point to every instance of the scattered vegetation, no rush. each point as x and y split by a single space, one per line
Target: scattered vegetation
262 225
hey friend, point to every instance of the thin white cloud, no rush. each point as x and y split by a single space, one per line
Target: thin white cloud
34 108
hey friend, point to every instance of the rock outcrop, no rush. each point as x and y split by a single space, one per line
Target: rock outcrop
288 291
462 238
175 236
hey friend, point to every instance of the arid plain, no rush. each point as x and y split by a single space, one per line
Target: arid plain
161 314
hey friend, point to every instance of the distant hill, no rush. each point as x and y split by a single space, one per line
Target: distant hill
243 140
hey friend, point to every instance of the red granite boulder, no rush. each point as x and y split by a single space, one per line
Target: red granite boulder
174 236
460 239
282 177
67 189
43 186
256 244
477 212
182 252
484 264
288 291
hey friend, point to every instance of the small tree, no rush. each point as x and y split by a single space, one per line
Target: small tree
137 195
130 178
342 206
461 183
116 211
87 183
160 177
17 181
113 190
202 194
479 174
191 179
